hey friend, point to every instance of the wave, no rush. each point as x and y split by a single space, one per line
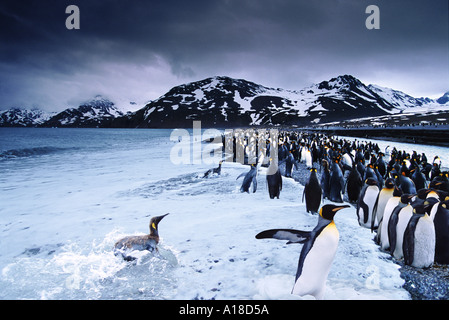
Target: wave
29 152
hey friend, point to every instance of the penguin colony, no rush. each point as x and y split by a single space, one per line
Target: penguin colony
403 199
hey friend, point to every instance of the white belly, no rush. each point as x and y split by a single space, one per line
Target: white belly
404 218
317 264
424 243
391 204
370 199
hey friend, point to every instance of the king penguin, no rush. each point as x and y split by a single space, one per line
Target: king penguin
419 239
146 242
336 183
399 220
354 184
441 221
312 192
379 207
274 180
317 254
250 178
366 202
392 203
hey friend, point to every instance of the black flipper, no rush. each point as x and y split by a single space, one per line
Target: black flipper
392 223
408 246
293 236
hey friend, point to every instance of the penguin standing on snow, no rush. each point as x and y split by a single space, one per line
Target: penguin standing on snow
419 239
399 220
325 178
274 181
392 203
250 178
379 207
317 254
441 221
312 192
366 202
354 184
336 183
147 242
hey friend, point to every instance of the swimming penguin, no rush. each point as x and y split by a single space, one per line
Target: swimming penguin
366 202
399 220
250 178
213 170
336 183
274 181
441 222
392 203
312 192
419 239
146 242
317 254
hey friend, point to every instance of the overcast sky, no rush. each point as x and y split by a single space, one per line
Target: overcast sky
137 50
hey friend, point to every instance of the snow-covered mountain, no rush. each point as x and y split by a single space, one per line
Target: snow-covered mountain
227 102
23 118
99 112
223 102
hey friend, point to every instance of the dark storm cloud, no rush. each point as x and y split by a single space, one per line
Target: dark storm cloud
142 48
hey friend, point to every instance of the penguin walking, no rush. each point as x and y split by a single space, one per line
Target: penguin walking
366 202
274 181
146 242
399 220
250 178
312 192
419 239
317 254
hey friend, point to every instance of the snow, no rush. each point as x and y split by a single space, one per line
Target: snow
61 213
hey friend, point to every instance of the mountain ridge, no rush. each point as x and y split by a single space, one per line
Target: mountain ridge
222 101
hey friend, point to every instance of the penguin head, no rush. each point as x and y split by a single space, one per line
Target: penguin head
406 198
422 193
328 211
154 223
389 183
371 182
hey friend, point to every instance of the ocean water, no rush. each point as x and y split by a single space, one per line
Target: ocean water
67 195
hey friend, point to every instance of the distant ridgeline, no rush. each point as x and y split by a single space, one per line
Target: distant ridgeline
221 102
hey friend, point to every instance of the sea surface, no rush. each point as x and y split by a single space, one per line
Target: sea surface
67 195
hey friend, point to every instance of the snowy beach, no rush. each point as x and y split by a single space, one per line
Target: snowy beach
67 195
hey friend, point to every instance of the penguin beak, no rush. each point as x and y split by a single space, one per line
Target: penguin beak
159 218
336 209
